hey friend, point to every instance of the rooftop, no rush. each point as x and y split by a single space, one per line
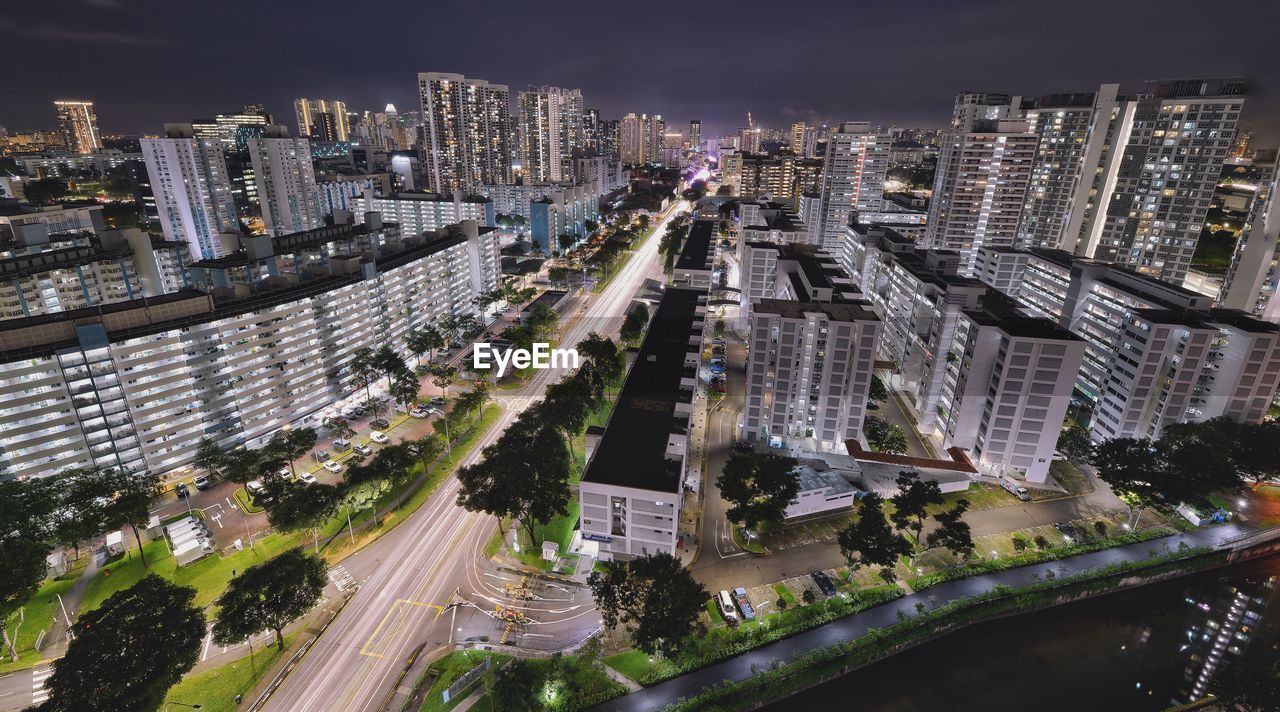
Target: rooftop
632 451
797 310
693 255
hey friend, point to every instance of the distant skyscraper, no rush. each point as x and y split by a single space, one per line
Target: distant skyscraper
981 181
551 128
853 173
322 119
286 182
798 133
640 139
467 131
1181 134
695 134
192 190
79 126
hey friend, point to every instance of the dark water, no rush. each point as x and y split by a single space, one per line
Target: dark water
1144 649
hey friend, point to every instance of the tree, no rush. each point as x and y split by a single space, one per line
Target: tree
1074 443
590 226
912 501
759 487
567 405
808 597
424 339
128 652
389 363
1198 461
654 597
364 368
210 457
81 506
632 326
129 501
1251 447
718 329
1131 467
953 533
524 476
442 376
289 445
602 362
878 392
24 563
869 541
295 508
516 686
557 275
404 389
885 436
45 190
565 241
269 596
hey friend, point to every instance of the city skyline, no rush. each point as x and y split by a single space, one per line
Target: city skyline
909 90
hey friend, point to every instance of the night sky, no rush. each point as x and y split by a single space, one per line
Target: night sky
147 62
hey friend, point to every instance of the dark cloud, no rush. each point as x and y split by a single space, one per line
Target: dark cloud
145 62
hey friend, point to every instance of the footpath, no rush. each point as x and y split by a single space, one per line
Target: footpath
855 626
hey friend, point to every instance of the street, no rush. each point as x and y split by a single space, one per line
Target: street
412 574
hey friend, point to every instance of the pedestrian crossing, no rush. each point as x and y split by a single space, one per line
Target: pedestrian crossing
342 578
38 677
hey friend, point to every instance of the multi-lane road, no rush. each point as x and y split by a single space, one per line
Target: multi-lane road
435 556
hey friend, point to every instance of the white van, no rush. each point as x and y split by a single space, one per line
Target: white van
727 609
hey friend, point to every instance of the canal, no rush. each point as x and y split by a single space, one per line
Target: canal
1142 649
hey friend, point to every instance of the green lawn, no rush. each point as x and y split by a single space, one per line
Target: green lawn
785 594
717 618
980 496
1070 477
245 502
215 690
37 616
450 668
634 663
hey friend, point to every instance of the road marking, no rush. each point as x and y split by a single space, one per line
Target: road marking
401 605
341 578
38 692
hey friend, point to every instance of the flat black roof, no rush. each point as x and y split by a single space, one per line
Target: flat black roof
632 452
693 255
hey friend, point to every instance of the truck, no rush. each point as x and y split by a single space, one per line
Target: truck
193 550
725 603
1012 487
115 543
740 597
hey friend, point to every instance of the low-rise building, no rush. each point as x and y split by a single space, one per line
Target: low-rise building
633 484
562 212
697 257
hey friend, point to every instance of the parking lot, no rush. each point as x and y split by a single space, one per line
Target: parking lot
804 533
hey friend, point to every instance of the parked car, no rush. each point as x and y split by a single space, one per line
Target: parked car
725 603
380 423
438 401
378 436
718 368
320 455
203 482
363 449
255 488
740 597
418 412
339 445
307 478
332 466
743 446
824 582
872 405
181 490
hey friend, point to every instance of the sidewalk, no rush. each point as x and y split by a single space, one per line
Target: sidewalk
855 626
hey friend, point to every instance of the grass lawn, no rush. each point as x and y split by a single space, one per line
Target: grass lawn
785 594
36 616
215 690
245 502
448 669
753 544
1070 477
634 663
980 496
713 610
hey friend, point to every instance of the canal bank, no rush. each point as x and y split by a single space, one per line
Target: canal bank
770 670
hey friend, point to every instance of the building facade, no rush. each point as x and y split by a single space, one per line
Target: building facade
192 190
467 132
853 173
79 125
551 129
286 182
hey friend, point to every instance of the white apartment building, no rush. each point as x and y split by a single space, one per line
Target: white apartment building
980 186
1007 387
139 383
192 189
853 173
1254 275
42 165
809 371
562 212
286 182
468 131
640 138
417 213
549 121
632 488
771 271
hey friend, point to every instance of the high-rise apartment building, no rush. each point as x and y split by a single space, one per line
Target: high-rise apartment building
640 138
550 123
322 119
1172 157
286 182
853 173
984 167
79 125
192 189
467 132
695 134
783 177
1252 278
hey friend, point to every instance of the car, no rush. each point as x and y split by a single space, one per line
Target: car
340 444
380 423
456 344
363 449
725 603
437 401
379 437
717 349
418 412
306 478
743 446
202 482
320 455
717 341
332 466
872 405
824 582
717 368
255 487
359 410
181 490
